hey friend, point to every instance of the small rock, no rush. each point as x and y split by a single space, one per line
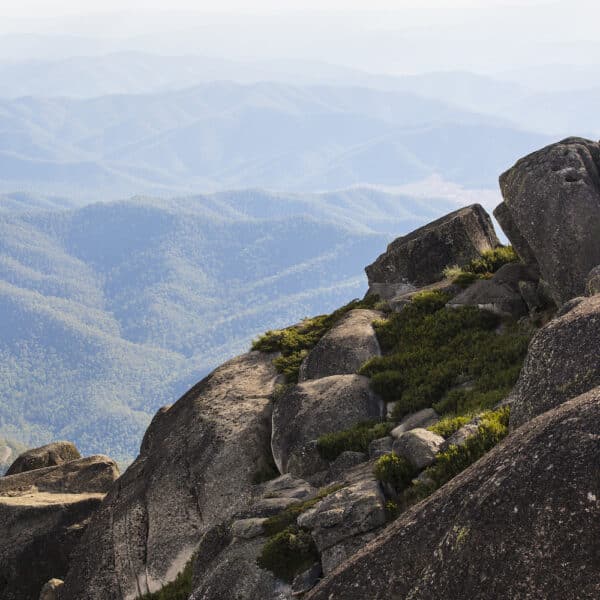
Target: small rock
351 511
51 589
50 455
460 436
345 348
423 418
502 294
346 460
306 580
268 507
248 529
419 447
380 447
592 284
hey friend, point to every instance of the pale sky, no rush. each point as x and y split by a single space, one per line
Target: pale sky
57 8
391 36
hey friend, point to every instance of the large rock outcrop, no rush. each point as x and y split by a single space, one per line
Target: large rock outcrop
43 514
551 213
419 258
523 522
49 455
345 348
563 361
195 469
313 408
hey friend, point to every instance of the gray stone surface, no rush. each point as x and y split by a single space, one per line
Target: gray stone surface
49 455
562 361
195 469
95 474
459 437
502 293
510 526
307 580
419 258
345 348
422 418
344 462
592 282
551 213
380 446
351 511
51 589
248 529
226 569
313 408
418 446
43 514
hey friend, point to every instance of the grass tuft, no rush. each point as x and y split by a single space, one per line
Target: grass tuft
356 439
294 343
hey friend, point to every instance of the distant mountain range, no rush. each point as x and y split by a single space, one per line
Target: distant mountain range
224 135
112 310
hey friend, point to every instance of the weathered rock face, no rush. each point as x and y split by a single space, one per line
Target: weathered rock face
511 292
510 526
562 361
418 446
233 573
43 514
50 455
344 521
312 408
345 348
592 282
94 474
225 564
551 213
195 469
422 418
419 258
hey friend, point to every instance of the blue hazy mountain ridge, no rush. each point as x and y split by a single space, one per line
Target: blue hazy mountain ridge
111 310
223 135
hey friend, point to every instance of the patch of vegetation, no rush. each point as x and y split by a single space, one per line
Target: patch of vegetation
395 471
450 424
356 439
295 342
430 351
179 589
492 429
483 267
287 518
288 553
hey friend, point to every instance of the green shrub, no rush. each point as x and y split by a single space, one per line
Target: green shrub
492 260
394 470
295 342
481 268
450 424
430 350
465 279
356 439
288 553
179 589
492 429
287 518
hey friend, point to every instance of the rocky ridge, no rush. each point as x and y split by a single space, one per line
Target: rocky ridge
327 466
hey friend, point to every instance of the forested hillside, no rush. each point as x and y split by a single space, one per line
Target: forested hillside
112 310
